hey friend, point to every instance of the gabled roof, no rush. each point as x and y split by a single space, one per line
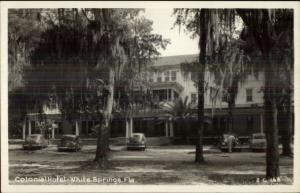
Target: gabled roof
174 60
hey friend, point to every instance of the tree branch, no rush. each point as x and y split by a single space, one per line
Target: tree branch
84 13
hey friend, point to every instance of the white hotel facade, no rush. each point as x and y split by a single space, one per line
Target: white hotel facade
168 82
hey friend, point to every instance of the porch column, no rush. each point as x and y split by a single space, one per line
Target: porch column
76 128
24 129
172 94
167 128
171 129
261 123
129 126
53 133
29 127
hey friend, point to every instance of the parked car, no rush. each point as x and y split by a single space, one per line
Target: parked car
35 141
69 143
258 142
137 141
223 144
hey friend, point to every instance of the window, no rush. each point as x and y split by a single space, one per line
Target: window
167 76
159 77
193 98
249 96
173 75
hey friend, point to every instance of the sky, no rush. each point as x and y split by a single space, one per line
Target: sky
181 43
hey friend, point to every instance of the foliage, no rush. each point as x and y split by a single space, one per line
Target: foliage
278 32
220 22
180 108
23 34
76 47
231 52
272 32
225 56
24 29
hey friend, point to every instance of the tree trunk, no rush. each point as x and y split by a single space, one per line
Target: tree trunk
262 33
286 124
231 104
271 93
230 117
188 130
104 128
264 41
271 126
202 61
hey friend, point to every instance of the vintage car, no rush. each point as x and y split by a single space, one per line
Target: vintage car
35 141
69 143
137 141
258 142
223 143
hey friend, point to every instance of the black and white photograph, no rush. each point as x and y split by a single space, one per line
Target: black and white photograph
149 95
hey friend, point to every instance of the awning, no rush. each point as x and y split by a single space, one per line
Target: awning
167 85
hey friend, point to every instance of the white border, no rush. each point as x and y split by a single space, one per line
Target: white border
142 188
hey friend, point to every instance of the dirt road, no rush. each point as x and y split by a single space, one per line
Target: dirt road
161 165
